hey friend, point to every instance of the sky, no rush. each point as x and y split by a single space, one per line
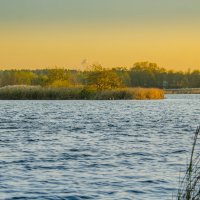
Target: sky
114 33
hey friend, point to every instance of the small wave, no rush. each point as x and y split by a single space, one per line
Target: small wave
135 191
178 152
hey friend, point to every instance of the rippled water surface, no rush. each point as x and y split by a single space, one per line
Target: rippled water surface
95 149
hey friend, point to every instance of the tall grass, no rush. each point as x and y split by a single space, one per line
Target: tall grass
131 93
38 93
85 93
190 185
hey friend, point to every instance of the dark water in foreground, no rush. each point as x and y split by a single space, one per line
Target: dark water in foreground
95 149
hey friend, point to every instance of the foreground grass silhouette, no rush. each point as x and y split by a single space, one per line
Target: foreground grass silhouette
190 185
78 93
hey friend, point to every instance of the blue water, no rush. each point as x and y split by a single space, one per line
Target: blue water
95 149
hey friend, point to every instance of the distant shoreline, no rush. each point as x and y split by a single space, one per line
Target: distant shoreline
182 91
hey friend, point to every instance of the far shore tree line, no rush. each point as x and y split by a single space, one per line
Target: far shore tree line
142 74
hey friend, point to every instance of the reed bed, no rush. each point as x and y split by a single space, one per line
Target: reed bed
131 93
77 93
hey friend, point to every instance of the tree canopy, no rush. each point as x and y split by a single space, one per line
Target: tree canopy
142 74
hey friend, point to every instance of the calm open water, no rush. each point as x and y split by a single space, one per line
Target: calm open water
95 149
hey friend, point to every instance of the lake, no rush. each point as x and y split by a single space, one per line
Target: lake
95 149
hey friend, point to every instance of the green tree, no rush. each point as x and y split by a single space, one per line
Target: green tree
58 78
102 78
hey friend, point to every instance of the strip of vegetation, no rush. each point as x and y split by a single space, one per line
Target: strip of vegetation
183 91
77 93
142 74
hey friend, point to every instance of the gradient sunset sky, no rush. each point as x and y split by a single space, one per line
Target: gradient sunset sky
115 33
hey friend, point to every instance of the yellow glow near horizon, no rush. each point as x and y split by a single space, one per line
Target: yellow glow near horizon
171 47
114 33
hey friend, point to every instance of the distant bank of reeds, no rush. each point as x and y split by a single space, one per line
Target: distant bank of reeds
183 91
78 93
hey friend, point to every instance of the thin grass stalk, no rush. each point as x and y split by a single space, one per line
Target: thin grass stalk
190 185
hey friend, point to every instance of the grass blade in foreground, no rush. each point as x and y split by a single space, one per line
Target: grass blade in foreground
190 185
